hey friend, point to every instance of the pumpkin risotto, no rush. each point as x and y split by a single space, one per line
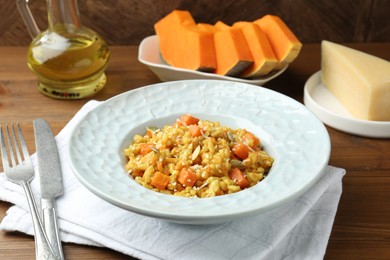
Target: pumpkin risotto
197 158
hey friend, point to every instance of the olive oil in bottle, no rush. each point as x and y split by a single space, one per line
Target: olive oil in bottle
69 65
68 58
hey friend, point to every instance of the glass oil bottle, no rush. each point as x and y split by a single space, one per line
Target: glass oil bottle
68 58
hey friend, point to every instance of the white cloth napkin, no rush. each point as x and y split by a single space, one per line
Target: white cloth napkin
297 230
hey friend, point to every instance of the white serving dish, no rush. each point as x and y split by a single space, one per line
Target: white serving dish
149 54
289 132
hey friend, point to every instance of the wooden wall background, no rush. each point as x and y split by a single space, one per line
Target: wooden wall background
127 22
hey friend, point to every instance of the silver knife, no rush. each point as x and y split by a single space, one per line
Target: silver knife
49 168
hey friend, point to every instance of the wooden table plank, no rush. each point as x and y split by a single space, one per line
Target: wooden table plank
362 225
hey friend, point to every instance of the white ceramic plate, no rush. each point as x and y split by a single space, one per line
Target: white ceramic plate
290 133
149 54
322 102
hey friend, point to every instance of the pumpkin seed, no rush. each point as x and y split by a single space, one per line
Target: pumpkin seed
152 128
236 163
154 149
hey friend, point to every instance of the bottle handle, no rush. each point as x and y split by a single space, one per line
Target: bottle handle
28 18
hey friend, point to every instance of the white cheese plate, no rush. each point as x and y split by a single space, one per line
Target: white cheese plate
330 111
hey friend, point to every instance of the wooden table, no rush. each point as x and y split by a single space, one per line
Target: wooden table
362 226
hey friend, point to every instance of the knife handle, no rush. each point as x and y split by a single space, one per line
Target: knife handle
49 217
43 248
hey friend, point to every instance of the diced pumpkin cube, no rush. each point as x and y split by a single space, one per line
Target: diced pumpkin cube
187 177
195 130
160 181
240 150
241 180
188 119
145 149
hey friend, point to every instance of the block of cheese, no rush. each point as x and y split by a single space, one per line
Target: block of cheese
361 82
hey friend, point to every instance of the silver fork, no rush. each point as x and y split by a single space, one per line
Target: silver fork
21 171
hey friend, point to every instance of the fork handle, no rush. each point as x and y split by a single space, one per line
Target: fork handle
43 249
